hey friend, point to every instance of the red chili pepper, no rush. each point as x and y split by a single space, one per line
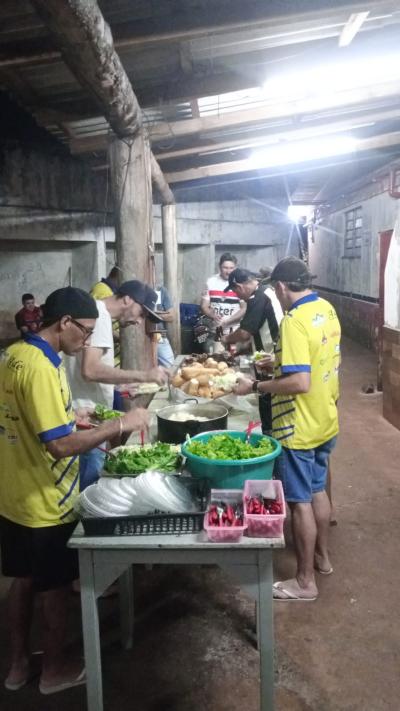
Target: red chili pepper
230 515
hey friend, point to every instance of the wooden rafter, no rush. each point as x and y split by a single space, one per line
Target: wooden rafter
252 117
240 166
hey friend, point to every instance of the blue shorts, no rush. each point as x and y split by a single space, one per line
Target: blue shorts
90 466
303 471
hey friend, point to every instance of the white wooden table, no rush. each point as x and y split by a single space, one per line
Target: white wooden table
103 560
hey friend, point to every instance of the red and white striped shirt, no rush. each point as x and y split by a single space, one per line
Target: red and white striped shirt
223 303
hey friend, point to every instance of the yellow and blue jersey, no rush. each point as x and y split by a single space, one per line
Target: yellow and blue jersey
309 342
101 290
35 408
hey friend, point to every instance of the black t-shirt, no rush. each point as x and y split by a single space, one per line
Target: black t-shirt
259 309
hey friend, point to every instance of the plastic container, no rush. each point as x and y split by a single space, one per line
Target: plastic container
224 534
189 313
258 525
228 473
152 524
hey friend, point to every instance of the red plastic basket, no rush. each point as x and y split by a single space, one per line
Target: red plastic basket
224 534
258 525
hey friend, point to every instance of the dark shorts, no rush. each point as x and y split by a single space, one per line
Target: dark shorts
303 471
38 553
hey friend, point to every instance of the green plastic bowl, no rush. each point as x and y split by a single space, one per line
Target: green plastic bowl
229 473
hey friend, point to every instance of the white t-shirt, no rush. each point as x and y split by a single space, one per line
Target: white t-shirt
88 394
275 304
224 303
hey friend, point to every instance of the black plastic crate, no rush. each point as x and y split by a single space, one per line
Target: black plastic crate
152 524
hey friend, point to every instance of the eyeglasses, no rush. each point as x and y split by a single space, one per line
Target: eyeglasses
86 331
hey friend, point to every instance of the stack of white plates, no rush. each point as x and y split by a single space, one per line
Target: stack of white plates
109 500
163 492
136 496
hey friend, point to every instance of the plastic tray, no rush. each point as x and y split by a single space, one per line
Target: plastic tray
225 534
258 525
154 524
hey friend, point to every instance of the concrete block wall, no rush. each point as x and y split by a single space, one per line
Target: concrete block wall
38 268
335 270
352 283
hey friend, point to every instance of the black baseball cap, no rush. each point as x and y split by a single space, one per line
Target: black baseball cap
143 295
69 301
239 276
293 271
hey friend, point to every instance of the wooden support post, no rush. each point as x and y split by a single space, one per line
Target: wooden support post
170 249
160 183
131 186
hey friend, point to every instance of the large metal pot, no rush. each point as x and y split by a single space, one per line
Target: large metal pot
175 432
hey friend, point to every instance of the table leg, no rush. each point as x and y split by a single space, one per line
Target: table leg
126 607
265 635
91 633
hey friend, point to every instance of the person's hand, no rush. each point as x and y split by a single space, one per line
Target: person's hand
136 419
157 375
266 364
243 386
83 415
130 388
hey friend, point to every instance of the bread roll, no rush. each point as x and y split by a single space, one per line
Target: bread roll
204 391
211 363
185 386
177 381
192 371
204 378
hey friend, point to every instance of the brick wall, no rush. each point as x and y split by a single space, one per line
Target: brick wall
391 376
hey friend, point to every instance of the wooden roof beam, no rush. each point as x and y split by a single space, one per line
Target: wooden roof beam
254 140
387 140
251 117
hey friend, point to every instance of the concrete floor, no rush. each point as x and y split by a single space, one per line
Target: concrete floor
195 648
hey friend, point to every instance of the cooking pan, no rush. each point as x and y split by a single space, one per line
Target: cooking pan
176 432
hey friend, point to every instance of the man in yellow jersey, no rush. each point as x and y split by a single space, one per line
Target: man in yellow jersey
101 290
305 390
106 286
39 482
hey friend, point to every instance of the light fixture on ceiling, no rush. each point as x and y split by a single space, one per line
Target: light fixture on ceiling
325 79
303 151
352 26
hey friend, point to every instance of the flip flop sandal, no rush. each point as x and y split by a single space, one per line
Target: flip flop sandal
62 686
17 685
286 595
324 572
